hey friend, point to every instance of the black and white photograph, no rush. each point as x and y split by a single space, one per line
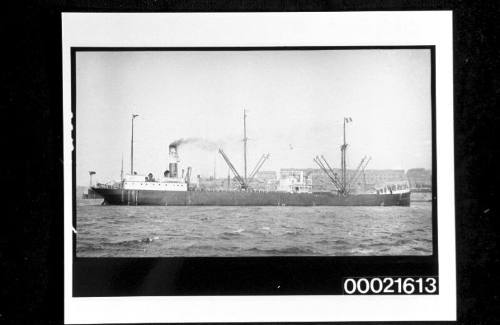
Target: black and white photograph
235 162
254 152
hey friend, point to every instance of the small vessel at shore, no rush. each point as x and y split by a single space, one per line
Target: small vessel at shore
296 190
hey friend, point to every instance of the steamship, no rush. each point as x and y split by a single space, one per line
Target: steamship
173 189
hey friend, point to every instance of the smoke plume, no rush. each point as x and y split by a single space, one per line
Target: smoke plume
197 142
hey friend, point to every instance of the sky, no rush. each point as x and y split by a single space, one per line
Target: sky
295 102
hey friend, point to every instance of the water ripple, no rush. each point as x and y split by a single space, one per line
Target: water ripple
129 231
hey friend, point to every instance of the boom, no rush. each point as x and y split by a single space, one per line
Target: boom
361 168
330 175
257 167
331 170
235 172
253 172
355 175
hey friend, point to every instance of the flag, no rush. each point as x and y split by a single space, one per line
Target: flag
347 119
91 172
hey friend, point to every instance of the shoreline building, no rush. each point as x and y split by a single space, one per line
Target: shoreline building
368 180
420 179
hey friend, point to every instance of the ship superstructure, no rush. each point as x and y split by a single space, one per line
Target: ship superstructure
294 181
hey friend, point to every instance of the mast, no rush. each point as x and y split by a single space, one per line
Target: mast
132 146
121 172
344 158
245 142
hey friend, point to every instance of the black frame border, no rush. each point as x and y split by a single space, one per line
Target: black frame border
205 276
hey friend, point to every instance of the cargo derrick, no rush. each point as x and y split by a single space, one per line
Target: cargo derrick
360 170
257 167
241 180
329 172
343 185
244 181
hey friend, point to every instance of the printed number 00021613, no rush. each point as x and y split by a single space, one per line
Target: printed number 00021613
391 286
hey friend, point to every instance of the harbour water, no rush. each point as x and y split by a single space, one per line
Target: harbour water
163 231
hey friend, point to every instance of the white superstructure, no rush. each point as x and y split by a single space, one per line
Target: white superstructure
393 188
142 182
294 181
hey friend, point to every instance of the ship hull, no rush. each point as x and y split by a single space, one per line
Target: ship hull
234 198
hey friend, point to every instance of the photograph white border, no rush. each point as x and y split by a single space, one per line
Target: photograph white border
271 29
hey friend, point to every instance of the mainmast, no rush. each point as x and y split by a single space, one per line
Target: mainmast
245 142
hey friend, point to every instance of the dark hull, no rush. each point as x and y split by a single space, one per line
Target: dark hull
233 198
